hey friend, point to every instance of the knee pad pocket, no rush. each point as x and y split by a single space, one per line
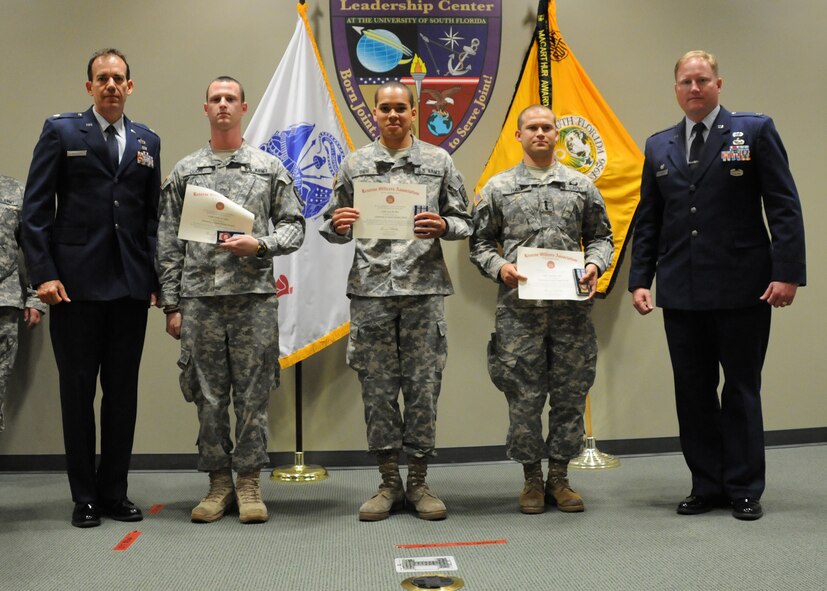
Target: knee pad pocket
367 345
501 366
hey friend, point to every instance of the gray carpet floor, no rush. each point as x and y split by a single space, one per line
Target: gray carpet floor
629 537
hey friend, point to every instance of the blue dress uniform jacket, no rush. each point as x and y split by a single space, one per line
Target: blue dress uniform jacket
98 237
702 231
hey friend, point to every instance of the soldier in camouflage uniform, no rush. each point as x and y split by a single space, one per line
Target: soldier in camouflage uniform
13 295
397 287
541 348
220 301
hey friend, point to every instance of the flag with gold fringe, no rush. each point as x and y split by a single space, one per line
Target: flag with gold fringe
298 121
591 138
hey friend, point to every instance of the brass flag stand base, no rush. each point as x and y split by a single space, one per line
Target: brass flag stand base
592 458
299 472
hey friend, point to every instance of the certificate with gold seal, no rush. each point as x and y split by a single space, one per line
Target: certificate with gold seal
550 273
207 215
386 211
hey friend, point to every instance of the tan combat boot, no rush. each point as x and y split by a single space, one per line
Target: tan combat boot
532 500
558 491
428 505
218 499
390 496
251 509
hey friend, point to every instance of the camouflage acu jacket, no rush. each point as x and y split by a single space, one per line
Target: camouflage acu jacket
560 212
255 180
383 268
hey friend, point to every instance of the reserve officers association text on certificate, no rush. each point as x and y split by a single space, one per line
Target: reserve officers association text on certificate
550 273
206 214
386 211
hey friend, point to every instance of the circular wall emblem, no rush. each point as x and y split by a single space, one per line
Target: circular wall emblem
389 199
550 264
219 206
579 146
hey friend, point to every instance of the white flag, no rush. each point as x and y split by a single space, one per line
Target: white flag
298 122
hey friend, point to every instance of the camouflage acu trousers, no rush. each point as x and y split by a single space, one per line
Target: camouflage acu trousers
399 343
538 354
230 343
9 326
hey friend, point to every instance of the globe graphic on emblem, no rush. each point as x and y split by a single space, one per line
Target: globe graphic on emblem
440 123
575 149
378 51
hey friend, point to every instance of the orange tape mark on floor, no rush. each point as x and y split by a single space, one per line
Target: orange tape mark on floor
450 544
127 540
156 508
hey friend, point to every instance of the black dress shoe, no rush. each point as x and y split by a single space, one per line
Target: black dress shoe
697 504
747 509
86 515
122 510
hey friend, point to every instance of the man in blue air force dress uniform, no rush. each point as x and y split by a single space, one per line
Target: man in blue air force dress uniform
89 227
707 185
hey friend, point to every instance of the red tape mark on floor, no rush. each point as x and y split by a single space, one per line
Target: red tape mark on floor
450 544
156 508
127 540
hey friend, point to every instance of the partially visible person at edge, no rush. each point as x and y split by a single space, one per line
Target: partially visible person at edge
220 301
707 184
89 226
542 349
397 289
17 300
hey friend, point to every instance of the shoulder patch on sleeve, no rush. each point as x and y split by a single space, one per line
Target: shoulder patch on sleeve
482 198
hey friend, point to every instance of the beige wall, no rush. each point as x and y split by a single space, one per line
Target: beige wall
771 56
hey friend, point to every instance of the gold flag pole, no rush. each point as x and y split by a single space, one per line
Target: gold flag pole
592 458
299 472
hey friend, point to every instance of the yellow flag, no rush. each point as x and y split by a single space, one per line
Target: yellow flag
592 140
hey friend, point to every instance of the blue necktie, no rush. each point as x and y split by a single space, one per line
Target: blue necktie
112 146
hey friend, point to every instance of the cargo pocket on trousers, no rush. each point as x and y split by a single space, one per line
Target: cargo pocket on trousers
501 366
187 379
441 345
355 355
